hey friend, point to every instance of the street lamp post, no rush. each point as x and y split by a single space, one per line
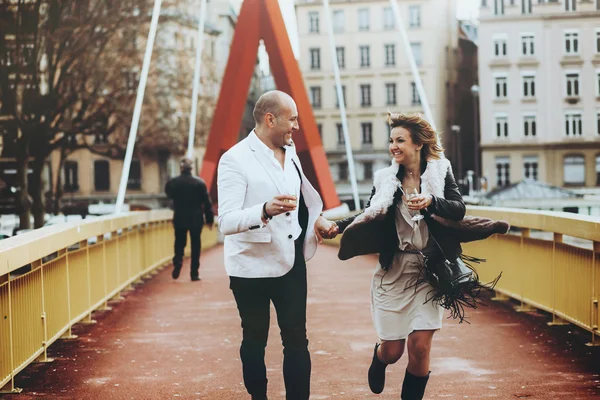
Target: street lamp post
475 92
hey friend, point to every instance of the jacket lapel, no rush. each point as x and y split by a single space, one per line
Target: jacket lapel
266 164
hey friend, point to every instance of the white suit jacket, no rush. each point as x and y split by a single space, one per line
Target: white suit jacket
245 182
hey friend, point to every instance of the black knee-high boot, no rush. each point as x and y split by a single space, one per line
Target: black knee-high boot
413 387
377 373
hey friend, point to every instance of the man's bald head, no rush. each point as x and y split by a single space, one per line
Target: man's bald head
270 102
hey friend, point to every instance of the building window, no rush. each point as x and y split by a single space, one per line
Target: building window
572 84
573 124
320 129
365 59
134 182
598 38
388 19
570 5
315 58
101 175
501 126
368 170
340 134
530 167
528 44
529 126
415 99
529 86
414 16
499 7
367 132
526 6
390 55
598 166
416 51
337 100
313 17
571 42
390 90
341 57
338 21
500 46
501 87
365 95
598 84
363 19
71 176
574 170
343 171
502 171
598 122
315 96
597 4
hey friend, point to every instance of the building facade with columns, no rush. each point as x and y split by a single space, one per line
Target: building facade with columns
375 75
539 74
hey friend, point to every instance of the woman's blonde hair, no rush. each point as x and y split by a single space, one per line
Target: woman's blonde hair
421 132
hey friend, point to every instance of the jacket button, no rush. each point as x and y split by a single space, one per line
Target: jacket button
287 214
290 236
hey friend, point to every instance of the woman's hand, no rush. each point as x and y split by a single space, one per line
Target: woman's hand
325 229
420 202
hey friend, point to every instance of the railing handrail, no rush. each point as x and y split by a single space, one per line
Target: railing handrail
576 225
21 250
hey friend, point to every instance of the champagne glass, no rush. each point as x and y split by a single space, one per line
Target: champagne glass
410 194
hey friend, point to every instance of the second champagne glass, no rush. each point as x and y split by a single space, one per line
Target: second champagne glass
410 194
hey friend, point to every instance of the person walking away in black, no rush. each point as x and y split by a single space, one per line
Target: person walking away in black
192 210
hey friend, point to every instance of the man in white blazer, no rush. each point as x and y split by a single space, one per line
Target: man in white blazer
271 217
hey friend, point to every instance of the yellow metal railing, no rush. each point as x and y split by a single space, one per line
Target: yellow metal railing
57 276
551 262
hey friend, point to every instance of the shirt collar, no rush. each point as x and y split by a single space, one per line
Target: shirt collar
263 148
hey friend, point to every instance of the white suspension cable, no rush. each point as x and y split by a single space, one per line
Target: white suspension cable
341 102
196 85
138 106
413 65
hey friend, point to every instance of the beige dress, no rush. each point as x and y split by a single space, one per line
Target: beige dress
397 307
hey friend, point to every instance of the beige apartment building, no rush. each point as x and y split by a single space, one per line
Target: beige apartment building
375 75
539 76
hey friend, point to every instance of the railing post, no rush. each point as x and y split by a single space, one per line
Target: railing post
10 387
594 306
101 242
525 234
69 333
556 320
43 358
88 318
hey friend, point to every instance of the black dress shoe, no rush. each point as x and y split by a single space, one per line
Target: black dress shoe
377 373
196 278
176 272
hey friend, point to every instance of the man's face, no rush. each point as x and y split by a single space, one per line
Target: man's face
285 124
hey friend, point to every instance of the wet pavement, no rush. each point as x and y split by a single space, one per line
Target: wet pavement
180 339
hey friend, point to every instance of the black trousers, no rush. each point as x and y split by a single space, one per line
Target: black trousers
181 232
288 294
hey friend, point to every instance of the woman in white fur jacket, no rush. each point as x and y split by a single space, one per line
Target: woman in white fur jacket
402 315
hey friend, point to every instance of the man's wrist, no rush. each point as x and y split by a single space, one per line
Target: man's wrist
265 215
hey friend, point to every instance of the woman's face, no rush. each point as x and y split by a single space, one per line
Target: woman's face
402 148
